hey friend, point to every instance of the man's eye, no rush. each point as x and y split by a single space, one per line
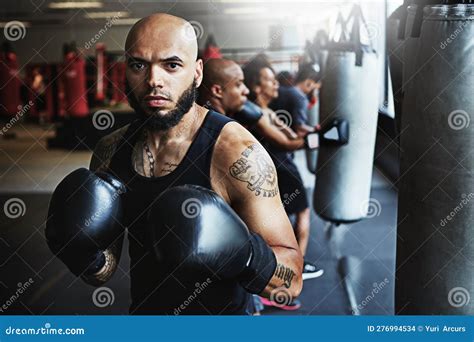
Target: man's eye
173 65
137 66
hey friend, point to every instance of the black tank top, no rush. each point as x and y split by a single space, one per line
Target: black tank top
153 291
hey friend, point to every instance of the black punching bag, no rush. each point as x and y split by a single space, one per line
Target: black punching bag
435 245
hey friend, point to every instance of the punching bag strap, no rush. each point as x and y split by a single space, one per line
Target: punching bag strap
358 17
340 23
403 19
418 21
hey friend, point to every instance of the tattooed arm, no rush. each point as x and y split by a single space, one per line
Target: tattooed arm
245 176
100 161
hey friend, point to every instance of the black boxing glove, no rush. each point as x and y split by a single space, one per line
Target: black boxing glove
334 133
84 218
249 115
194 232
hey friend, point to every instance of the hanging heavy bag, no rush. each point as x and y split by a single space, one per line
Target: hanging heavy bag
344 172
435 244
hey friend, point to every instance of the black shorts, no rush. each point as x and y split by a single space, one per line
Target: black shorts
292 190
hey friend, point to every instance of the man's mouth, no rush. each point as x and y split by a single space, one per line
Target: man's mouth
155 101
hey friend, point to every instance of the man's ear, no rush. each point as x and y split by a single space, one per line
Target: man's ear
216 91
198 72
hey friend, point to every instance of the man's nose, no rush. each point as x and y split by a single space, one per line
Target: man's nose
155 77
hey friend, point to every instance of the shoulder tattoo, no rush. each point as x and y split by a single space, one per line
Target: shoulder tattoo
105 150
255 169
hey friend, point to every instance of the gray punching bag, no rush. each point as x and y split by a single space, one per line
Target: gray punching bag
435 245
344 173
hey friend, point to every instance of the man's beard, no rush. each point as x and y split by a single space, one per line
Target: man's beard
155 121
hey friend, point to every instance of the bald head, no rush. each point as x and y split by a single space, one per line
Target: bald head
162 27
219 71
223 86
162 69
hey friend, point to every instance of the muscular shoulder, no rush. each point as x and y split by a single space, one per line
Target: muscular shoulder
105 149
242 166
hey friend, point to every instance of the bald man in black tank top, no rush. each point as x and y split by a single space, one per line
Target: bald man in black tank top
173 142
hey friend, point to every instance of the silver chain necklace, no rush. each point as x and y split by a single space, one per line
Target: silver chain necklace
151 159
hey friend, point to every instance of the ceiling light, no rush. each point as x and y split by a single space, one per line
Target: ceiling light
105 15
76 4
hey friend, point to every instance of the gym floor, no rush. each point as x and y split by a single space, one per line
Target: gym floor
358 259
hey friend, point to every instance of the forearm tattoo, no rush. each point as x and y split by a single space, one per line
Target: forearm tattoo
256 170
286 274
